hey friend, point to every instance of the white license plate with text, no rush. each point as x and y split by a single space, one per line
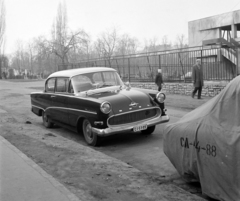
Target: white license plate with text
139 128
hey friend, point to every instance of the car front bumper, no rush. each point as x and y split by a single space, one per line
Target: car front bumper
129 127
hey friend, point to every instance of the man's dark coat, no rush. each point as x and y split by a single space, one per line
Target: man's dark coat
197 76
158 79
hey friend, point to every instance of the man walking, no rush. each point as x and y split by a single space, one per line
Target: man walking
197 78
159 80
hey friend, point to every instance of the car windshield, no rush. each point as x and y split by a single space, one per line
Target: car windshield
88 81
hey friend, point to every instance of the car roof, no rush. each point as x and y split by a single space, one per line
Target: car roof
77 71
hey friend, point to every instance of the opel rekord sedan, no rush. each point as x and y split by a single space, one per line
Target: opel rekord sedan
94 101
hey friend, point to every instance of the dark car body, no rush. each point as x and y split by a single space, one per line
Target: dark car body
204 145
96 102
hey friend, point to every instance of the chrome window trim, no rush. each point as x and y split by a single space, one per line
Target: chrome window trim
64 108
70 95
38 107
90 112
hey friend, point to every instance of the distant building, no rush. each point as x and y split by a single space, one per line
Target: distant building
211 30
220 31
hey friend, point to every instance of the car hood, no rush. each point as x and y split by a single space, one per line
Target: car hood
122 100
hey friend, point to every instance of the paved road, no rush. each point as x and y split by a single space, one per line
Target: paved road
146 153
142 152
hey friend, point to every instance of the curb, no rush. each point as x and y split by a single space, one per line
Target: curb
51 179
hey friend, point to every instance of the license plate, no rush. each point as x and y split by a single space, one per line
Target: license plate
139 128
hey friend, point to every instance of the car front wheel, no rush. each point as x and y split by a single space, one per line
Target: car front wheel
149 130
90 137
46 121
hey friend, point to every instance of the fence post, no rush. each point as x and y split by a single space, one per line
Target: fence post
118 67
150 67
129 70
180 59
237 62
159 58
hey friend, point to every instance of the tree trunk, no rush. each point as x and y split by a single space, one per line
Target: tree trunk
0 68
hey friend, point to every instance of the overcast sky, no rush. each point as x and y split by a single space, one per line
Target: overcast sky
143 19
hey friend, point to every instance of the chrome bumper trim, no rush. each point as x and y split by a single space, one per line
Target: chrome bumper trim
129 127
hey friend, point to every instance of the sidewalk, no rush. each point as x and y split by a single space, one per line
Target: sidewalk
23 180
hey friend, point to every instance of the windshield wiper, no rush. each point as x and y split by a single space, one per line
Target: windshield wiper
105 85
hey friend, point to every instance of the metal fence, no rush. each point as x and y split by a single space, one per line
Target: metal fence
218 64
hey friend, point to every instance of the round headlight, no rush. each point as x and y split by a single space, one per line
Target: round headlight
105 107
160 97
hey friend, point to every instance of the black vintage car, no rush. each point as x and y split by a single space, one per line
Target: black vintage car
94 101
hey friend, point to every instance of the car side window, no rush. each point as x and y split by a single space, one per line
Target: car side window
50 85
61 85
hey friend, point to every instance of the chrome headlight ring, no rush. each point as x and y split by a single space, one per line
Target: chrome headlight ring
106 107
160 97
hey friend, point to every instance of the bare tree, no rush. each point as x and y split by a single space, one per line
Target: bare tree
127 45
2 33
30 49
42 53
98 46
181 41
82 51
19 55
87 48
34 56
64 40
151 45
21 58
166 43
107 43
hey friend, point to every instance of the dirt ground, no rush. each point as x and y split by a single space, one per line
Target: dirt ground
89 174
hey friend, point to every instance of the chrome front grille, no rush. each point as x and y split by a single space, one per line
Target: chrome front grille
134 116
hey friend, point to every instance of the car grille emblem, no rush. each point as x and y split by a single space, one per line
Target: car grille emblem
133 104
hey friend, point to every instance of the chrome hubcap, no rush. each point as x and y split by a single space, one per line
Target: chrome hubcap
88 131
45 117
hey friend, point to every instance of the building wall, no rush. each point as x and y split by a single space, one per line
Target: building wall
197 36
209 28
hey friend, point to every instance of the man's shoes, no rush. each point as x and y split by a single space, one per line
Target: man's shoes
200 98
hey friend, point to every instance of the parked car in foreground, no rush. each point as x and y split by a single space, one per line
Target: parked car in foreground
204 145
94 101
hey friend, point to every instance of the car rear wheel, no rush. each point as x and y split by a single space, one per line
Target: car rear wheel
90 137
149 130
46 122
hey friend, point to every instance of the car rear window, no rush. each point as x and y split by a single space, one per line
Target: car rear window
50 85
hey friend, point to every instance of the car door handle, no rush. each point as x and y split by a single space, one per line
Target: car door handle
53 96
